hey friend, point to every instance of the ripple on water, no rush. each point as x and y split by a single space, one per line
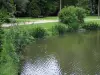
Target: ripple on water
42 66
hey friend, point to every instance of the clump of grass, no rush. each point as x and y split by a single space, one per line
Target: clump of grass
39 32
59 29
90 26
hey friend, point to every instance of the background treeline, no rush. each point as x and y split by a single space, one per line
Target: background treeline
40 8
30 8
90 5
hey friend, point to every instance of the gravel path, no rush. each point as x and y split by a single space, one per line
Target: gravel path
37 22
29 23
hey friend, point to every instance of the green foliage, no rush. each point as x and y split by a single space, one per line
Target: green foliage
33 9
86 4
73 27
8 5
72 16
19 38
48 7
39 32
68 15
1 36
2 19
21 7
59 29
80 13
90 26
14 41
4 15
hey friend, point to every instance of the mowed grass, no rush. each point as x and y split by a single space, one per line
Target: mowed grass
28 19
43 25
50 25
47 26
94 19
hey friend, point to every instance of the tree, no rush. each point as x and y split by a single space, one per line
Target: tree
33 9
98 8
21 6
60 4
69 2
8 5
42 7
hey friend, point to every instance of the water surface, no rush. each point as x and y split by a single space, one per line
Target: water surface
71 54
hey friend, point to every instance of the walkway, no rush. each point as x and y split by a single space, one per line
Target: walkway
38 22
29 23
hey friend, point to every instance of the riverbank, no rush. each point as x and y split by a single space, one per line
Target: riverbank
17 37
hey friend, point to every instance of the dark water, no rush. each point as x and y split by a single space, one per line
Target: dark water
72 54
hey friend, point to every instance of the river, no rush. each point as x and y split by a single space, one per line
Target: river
71 54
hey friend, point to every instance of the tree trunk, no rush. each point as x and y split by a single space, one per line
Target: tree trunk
98 8
60 4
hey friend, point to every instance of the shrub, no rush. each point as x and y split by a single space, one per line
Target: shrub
21 39
67 15
73 26
71 14
4 16
59 29
39 32
1 36
90 26
80 13
14 40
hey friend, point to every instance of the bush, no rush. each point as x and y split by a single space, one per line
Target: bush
71 14
90 26
20 39
39 32
80 13
4 16
59 29
73 26
1 36
67 15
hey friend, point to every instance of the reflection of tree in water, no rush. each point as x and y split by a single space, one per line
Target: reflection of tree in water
92 53
82 56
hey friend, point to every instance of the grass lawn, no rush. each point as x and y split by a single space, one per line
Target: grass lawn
44 25
92 19
49 25
27 19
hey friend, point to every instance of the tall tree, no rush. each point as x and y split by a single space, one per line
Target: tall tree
33 9
98 8
8 5
21 7
60 4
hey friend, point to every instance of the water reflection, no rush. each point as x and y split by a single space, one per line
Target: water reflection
73 54
47 65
